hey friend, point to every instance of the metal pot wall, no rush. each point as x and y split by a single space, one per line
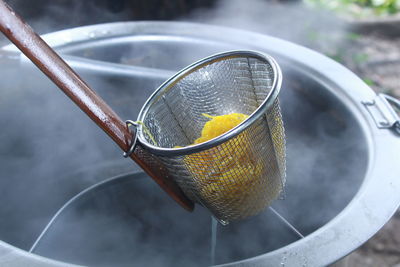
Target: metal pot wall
343 174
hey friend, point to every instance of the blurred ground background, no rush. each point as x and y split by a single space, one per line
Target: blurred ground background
372 51
370 47
382 250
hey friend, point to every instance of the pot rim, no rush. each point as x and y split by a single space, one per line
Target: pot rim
378 196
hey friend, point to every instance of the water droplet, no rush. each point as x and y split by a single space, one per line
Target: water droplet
224 223
92 35
283 261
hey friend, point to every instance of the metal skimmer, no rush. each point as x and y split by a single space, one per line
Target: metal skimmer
239 173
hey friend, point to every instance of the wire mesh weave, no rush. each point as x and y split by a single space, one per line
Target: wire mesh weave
242 174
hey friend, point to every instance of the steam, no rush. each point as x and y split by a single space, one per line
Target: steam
292 21
324 136
47 16
50 150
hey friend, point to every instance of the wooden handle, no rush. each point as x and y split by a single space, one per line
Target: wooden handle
51 64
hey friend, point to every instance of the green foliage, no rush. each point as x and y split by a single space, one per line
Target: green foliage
360 8
353 36
369 82
337 56
360 58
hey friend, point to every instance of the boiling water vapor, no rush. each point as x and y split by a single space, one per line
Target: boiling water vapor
50 151
45 145
292 21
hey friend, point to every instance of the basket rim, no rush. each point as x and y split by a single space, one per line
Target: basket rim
261 109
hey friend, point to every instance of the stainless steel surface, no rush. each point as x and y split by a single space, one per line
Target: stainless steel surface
96 206
239 173
221 83
370 195
382 112
396 103
13 257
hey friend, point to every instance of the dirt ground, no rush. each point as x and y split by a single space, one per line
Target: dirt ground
374 55
382 66
382 250
382 69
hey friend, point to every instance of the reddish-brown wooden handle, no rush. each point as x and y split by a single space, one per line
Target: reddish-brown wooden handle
51 64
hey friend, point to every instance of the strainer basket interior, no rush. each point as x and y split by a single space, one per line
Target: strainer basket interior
239 173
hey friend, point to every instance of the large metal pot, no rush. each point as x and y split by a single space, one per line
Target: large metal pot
343 171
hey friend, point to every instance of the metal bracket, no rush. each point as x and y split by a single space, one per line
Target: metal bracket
135 138
382 112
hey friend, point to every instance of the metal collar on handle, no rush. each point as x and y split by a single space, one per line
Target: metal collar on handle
134 140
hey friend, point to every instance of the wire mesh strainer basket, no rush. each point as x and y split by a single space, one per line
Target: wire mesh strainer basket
234 175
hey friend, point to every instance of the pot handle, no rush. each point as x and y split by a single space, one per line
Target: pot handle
382 111
396 103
